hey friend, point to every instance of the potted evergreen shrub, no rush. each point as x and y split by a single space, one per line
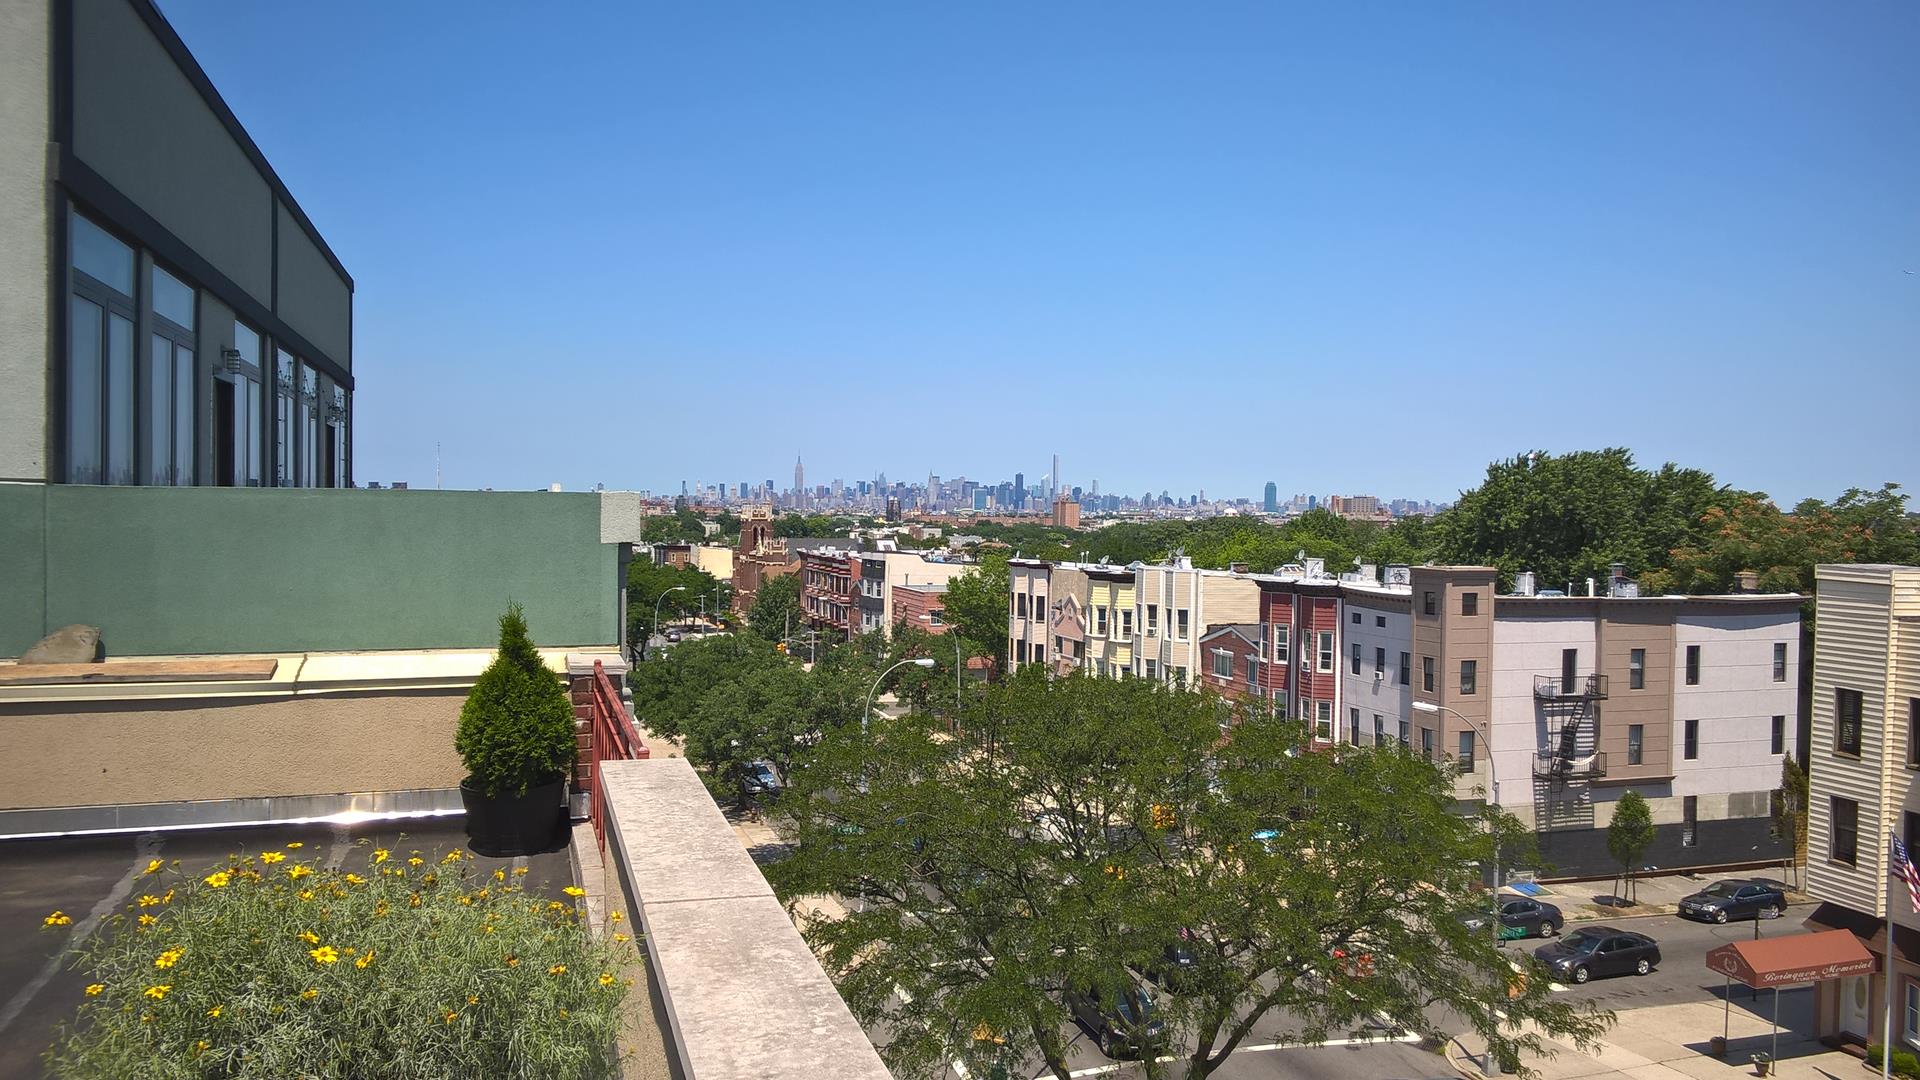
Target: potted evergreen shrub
516 737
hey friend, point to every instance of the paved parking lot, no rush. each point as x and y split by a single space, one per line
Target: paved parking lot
90 878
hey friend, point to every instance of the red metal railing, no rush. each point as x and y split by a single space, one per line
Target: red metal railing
612 737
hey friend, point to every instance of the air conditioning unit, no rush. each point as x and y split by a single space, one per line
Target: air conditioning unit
1379 676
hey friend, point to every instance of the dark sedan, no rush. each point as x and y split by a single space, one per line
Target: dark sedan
1735 899
1127 1023
1521 917
1595 951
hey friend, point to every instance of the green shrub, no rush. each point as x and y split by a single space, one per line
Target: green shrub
1904 1063
403 968
516 728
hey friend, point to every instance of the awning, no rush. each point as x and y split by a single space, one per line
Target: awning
1783 961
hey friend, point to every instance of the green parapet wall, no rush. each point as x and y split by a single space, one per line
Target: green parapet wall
226 570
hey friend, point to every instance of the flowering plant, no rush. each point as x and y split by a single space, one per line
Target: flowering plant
400 968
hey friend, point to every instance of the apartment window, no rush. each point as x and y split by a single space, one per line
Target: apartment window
1426 743
1469 676
1356 618
1569 670
1379 662
1406 669
100 364
283 429
1379 620
1379 730
1693 665
1843 843
1690 821
1846 721
239 424
1690 743
1126 623
1913 733
1637 669
1180 624
1323 720
1280 651
1353 725
1222 664
1404 728
1910 1025
1910 828
1153 670
1428 606
1466 751
309 407
1779 735
1020 652
1280 704
937 617
1779 661
1180 675
1039 653
1356 658
1020 606
1100 620
1153 619
1326 650
1470 603
170 382
1253 671
1426 673
1636 741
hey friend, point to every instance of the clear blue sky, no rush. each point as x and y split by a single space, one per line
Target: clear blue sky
1354 248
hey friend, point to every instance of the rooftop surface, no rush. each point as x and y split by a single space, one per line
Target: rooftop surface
92 877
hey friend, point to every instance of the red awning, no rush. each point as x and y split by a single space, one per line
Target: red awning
1783 961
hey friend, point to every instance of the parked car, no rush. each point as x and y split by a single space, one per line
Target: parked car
1520 917
1176 962
761 779
1126 1023
1735 899
1599 950
673 636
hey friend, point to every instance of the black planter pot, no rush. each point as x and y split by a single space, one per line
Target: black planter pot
506 825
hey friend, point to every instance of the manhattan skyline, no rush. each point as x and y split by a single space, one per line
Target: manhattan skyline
1428 237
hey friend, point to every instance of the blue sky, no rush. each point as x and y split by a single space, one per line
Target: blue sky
1342 247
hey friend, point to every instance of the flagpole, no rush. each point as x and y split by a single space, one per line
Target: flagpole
1886 1030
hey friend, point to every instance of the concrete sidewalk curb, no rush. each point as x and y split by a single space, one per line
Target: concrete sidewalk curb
1460 1060
1671 909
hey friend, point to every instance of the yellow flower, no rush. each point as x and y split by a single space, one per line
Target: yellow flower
202 1046
146 1018
606 978
271 857
519 871
380 909
298 871
513 961
563 1014
452 856
148 900
216 1011
574 890
356 879
449 1016
620 938
306 894
467 900
170 957
168 897
218 879
555 905
499 875
364 960
309 993
94 989
58 918
616 916
325 954
148 920
473 999
483 894
413 900
154 866
158 992
557 969
380 855
309 937
295 846
415 861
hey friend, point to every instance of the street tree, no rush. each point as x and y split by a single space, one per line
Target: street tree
977 608
647 583
762 715
776 608
668 687
1074 829
1790 809
1629 836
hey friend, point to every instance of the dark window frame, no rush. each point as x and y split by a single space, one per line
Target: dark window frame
1636 744
1426 673
1848 708
1469 678
1843 832
1690 740
1637 669
1469 604
1693 665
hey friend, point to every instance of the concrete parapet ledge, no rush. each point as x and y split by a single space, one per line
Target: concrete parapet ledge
745 998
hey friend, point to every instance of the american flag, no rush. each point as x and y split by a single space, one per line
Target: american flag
1903 866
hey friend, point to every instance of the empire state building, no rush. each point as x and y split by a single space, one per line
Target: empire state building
799 481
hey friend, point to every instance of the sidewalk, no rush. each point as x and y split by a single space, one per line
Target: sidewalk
1671 1042
1593 900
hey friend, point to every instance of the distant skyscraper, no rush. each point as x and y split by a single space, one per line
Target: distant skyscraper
1272 505
1053 481
1019 490
799 480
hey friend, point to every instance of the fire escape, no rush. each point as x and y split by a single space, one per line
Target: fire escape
1563 770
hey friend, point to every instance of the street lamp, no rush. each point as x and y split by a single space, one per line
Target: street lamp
655 628
1493 782
924 661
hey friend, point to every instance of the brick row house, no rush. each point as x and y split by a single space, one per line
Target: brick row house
1692 701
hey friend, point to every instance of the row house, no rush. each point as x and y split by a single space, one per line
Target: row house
1864 788
827 591
1689 700
921 606
883 573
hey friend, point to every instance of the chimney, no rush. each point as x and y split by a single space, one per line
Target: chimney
1237 568
1523 583
1746 581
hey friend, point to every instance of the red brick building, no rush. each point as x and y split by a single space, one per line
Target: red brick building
921 606
828 595
1300 629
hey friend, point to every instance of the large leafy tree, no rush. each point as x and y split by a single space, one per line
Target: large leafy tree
976 605
647 583
764 714
1075 828
1751 533
776 608
667 688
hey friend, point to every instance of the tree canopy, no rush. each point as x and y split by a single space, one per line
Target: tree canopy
1074 829
976 608
647 584
776 608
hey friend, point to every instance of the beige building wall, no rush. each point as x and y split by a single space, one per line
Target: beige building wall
715 559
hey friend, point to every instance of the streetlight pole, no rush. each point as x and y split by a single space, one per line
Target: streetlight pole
655 628
924 661
1493 781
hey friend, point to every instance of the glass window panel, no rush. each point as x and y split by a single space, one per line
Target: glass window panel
121 393
84 393
283 420
172 298
250 448
97 254
183 384
159 413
